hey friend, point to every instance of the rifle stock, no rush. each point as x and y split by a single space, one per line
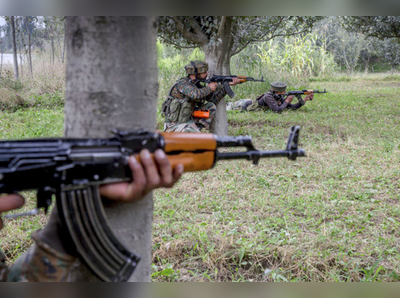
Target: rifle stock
73 169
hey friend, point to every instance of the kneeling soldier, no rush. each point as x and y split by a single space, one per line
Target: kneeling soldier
188 95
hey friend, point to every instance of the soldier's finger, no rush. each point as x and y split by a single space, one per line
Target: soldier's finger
178 171
11 202
128 192
150 169
137 188
164 167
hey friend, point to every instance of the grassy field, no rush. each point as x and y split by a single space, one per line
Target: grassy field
332 216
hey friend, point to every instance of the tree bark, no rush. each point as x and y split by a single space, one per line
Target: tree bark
52 47
14 46
111 81
213 57
64 45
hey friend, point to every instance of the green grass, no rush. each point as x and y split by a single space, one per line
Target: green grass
332 216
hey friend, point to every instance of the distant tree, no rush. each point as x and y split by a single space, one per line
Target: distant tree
351 49
222 37
27 27
14 47
374 26
7 39
392 52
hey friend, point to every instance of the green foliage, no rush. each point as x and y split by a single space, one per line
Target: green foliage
332 216
297 57
7 81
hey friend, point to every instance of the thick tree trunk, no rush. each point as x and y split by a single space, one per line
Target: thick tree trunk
218 57
14 47
112 82
214 57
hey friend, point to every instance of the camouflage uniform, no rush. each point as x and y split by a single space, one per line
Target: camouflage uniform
239 105
187 96
40 263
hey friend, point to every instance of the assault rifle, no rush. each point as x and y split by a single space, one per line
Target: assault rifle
298 93
224 80
73 169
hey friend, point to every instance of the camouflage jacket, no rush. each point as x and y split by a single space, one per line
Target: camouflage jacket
185 87
41 263
267 100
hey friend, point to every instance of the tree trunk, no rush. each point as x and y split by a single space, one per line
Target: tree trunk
52 47
213 57
64 45
29 49
218 57
1 65
14 46
21 66
112 81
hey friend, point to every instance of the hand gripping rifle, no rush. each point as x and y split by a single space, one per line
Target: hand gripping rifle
224 80
73 169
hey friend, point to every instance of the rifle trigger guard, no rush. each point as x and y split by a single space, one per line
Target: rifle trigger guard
255 158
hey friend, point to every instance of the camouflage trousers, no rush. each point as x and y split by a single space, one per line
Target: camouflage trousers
40 263
251 105
193 124
236 105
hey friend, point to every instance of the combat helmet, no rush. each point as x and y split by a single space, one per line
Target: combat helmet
195 67
278 86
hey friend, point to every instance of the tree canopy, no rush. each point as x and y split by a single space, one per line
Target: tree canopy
374 26
221 37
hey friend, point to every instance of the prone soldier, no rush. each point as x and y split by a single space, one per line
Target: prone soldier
273 99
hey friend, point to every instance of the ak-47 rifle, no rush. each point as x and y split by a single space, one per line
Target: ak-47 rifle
298 93
73 170
224 80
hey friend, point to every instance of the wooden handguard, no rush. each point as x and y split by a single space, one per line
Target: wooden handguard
242 79
188 142
193 162
195 151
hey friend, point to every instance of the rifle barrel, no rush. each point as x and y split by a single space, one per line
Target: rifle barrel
255 155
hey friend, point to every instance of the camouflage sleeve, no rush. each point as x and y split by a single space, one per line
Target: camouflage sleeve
3 267
216 96
270 101
193 92
295 106
40 263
